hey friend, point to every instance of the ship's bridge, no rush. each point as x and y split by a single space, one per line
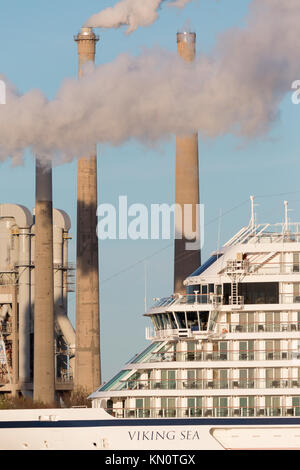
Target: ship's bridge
259 265
183 316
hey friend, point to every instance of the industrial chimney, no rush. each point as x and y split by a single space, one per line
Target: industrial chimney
44 368
87 358
186 185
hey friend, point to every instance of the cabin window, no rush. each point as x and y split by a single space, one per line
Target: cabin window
273 406
246 322
272 377
223 345
246 350
247 406
246 378
194 378
168 379
168 406
296 263
272 321
273 350
204 296
190 290
219 289
296 286
296 405
142 406
221 406
194 406
220 378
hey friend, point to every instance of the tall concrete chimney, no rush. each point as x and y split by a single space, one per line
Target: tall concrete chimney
44 368
87 357
186 184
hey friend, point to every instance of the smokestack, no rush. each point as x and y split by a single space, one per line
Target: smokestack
87 358
44 369
187 184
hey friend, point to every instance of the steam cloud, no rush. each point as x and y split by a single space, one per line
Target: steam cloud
235 89
133 13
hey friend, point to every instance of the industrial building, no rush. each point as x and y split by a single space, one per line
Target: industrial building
37 339
17 299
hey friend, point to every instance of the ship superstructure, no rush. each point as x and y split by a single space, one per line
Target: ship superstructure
229 347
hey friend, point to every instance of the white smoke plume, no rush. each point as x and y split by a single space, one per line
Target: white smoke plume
237 89
133 13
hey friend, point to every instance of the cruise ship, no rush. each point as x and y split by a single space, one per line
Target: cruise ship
222 370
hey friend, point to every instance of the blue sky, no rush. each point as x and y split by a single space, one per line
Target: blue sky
37 51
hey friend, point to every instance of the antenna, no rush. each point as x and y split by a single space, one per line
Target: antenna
252 212
285 215
286 220
219 231
145 286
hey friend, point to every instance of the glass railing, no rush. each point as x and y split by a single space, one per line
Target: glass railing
229 355
266 267
207 384
257 327
195 298
224 328
208 298
206 412
164 301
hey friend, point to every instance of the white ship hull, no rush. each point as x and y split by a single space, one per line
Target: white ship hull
94 429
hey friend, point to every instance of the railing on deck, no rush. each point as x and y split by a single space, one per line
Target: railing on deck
209 384
257 327
227 355
207 412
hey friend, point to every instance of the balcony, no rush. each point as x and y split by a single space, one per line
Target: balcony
257 327
208 384
205 412
229 355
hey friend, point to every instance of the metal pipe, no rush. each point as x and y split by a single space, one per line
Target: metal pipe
61 226
24 305
23 220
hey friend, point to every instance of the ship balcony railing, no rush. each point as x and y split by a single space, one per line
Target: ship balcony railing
226 355
180 332
257 327
209 384
195 298
206 412
274 268
164 301
162 334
